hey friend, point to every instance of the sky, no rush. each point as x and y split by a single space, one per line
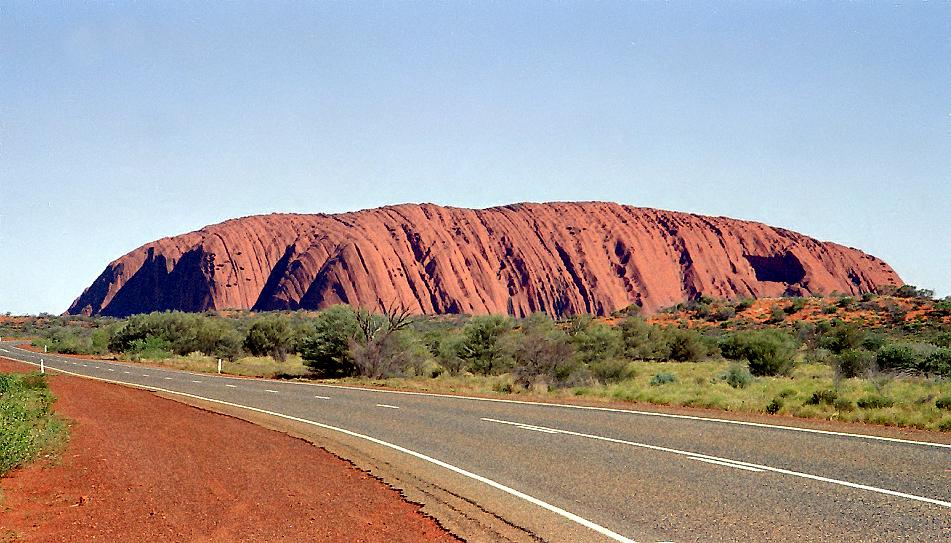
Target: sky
121 123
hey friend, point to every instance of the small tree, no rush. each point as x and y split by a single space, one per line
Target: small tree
542 353
482 346
269 336
378 347
326 351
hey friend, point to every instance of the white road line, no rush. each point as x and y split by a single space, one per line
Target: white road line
145 375
196 381
168 378
387 406
322 397
699 456
271 391
127 372
110 369
85 366
644 413
231 386
498 486
728 464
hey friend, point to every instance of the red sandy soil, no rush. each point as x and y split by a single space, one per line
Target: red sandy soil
142 468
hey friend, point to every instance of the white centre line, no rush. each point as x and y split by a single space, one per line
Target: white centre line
231 386
110 369
322 397
168 378
387 406
127 372
145 375
271 391
196 381
730 462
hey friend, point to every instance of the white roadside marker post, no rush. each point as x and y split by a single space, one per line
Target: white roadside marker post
42 366
44 349
219 365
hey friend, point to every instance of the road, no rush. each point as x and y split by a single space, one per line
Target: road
562 473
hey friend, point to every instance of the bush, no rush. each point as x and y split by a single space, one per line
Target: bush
769 352
151 348
776 315
542 353
593 341
737 376
612 370
938 362
684 345
269 336
774 406
841 337
943 402
855 363
827 396
483 346
326 351
875 401
663 378
903 357
842 404
796 306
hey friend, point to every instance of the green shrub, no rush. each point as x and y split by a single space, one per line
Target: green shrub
776 315
737 376
796 306
938 362
663 378
875 401
543 354
483 346
612 370
903 357
151 348
774 406
269 336
827 396
855 363
592 340
943 402
769 352
684 345
326 351
743 305
842 404
841 337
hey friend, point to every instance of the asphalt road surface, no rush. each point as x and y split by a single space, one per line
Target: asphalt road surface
561 473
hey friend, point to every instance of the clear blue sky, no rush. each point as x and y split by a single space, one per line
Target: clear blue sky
122 123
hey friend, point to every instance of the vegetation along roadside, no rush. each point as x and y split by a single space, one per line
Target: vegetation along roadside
880 358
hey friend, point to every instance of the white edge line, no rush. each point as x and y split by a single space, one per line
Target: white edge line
499 486
700 456
563 405
728 464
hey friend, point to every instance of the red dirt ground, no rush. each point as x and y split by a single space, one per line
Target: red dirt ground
143 468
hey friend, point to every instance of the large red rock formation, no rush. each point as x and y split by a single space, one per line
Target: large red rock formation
560 258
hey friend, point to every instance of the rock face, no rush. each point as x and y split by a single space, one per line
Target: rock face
559 258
